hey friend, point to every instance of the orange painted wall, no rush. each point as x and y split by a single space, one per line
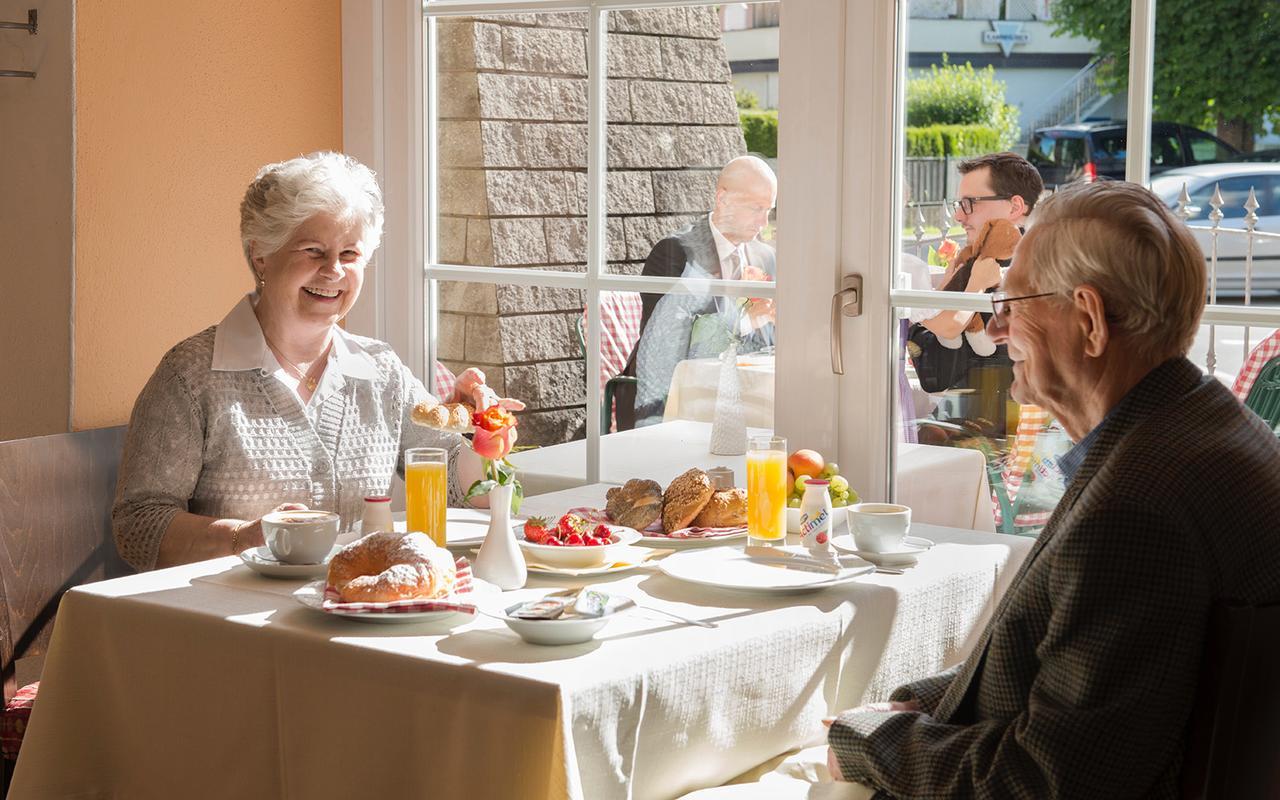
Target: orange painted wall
177 105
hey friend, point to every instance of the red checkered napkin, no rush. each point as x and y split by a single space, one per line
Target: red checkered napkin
463 586
655 530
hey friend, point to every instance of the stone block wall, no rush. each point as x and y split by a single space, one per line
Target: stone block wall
513 179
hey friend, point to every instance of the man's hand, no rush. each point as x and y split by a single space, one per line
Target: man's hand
833 763
985 274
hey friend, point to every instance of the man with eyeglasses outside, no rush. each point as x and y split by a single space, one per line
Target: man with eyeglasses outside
993 186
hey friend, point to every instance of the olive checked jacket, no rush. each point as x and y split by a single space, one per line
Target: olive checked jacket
1082 683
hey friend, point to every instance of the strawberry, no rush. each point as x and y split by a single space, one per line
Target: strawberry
571 524
574 540
602 531
535 530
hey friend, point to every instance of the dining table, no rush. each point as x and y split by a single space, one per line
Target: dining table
695 393
944 486
210 680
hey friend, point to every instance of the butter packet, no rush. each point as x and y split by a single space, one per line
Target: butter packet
590 603
546 608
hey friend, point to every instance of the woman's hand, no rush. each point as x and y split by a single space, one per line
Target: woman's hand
471 388
249 534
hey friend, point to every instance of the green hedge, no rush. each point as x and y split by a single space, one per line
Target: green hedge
952 140
760 129
958 94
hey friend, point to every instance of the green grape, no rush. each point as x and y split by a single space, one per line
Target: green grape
830 469
800 483
839 483
839 502
853 497
793 502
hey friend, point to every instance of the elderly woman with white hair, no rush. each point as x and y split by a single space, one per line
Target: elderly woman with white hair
277 406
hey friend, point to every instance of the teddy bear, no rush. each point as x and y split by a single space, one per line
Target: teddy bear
991 249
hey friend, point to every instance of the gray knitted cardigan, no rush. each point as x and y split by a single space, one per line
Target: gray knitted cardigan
235 444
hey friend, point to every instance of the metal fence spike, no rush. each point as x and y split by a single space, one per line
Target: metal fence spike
1184 203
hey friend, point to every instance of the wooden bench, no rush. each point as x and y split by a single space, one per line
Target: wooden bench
55 533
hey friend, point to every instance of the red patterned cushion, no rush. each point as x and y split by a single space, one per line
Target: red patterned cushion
13 720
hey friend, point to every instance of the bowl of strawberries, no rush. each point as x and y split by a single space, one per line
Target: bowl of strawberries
574 541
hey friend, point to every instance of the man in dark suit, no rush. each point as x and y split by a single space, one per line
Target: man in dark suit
1082 683
696 323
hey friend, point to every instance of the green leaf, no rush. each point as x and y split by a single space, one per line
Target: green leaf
480 487
517 497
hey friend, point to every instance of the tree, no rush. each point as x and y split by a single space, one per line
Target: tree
1216 63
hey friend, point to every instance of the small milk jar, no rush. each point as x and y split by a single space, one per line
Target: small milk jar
377 515
815 516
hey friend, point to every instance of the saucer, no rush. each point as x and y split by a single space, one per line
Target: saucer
261 561
905 555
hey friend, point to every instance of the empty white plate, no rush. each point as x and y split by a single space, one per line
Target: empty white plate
731 568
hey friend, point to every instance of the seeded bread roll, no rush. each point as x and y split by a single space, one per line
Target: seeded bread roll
684 498
636 503
727 508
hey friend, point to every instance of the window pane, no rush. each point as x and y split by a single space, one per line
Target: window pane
972 90
673 121
512 140
683 203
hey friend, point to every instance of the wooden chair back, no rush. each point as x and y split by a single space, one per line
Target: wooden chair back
55 532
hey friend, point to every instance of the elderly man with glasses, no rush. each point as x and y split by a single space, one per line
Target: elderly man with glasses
1083 681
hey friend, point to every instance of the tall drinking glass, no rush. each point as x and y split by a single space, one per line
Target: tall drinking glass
767 490
426 482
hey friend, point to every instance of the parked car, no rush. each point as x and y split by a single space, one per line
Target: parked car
1234 181
1097 150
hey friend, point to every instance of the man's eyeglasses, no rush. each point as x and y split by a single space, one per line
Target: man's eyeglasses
965 204
1000 302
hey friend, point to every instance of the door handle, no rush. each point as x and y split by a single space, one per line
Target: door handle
848 303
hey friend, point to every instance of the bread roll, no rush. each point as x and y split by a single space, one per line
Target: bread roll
454 417
636 504
684 498
727 508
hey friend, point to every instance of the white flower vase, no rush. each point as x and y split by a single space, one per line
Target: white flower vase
729 425
500 561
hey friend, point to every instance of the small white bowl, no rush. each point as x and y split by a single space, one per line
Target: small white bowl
582 555
573 630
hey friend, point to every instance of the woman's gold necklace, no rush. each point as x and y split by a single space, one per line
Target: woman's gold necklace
303 375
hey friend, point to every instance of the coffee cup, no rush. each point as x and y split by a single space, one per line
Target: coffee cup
300 537
879 527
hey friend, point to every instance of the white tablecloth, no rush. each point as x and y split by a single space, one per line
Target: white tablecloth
943 485
210 681
695 390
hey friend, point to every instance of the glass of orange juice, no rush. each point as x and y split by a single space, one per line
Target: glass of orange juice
426 490
767 490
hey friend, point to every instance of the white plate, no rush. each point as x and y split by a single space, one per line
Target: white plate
581 556
562 631
912 547
260 560
312 596
730 568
